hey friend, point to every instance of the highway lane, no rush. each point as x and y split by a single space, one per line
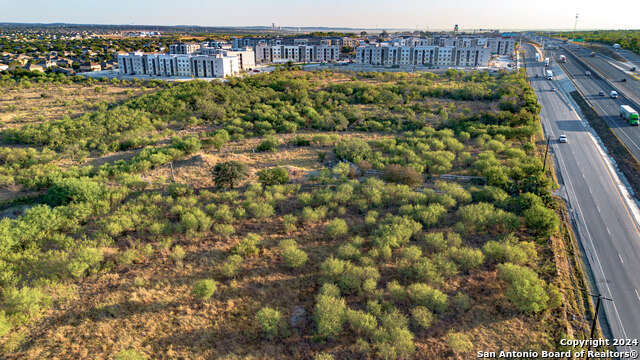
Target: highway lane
612 74
605 106
595 198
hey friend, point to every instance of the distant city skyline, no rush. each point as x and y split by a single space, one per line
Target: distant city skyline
359 14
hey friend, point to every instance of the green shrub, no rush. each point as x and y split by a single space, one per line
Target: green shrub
396 291
273 176
270 143
129 354
332 269
188 144
425 295
361 322
352 149
459 343
5 324
260 210
248 246
69 190
290 222
329 315
336 228
524 289
403 175
25 303
422 317
541 220
329 289
323 356
461 302
392 339
231 265
86 259
205 288
294 257
224 230
227 174
223 213
467 258
269 320
178 253
348 252
127 257
310 215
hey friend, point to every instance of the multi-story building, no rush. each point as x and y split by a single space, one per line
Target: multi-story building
267 54
391 55
206 66
184 48
502 46
246 56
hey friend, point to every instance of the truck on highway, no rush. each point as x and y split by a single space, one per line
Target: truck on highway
549 74
546 61
627 113
563 58
613 94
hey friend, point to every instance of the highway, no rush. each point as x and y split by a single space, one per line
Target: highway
595 198
605 106
604 67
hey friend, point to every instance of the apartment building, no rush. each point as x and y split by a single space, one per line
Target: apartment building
267 54
246 56
390 55
205 66
501 46
184 48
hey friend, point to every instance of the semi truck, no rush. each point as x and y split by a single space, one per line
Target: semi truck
563 58
546 61
630 115
549 74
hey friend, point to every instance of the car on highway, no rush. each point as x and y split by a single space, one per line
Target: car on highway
624 80
588 73
633 68
562 139
614 94
553 89
601 93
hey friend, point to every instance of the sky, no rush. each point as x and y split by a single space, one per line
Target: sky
359 14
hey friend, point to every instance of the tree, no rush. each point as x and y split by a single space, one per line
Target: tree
402 174
354 150
227 174
524 289
273 176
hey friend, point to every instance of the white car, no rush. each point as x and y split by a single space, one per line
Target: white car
562 139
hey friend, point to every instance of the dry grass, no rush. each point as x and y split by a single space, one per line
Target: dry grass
19 105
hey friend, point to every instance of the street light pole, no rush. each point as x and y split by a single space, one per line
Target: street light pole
595 317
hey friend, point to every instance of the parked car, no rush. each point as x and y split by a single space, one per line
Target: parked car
562 139
601 93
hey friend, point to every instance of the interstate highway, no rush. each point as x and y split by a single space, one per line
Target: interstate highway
602 219
605 106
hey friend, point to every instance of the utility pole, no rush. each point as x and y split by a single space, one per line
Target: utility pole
546 151
595 317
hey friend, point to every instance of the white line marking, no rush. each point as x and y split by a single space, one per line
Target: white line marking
620 258
637 293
